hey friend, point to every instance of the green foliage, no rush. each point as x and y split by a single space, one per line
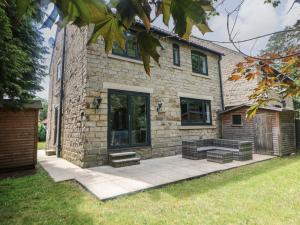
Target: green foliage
21 53
112 18
281 42
148 48
41 132
43 112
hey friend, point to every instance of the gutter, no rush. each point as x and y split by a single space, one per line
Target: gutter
60 114
221 83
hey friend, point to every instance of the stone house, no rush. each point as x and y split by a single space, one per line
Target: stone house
110 105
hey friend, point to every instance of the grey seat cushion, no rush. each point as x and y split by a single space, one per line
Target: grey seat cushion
227 149
206 148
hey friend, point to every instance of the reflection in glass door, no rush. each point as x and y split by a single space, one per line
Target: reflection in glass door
129 121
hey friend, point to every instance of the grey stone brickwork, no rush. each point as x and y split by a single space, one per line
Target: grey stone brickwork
90 72
237 92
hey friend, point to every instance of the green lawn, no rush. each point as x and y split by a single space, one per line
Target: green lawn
264 193
41 145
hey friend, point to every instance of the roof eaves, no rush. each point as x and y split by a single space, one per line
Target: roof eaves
172 35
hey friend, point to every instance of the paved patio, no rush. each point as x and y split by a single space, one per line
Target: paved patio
106 182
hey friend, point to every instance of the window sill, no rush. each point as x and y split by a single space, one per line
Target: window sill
236 125
177 67
201 75
197 127
112 56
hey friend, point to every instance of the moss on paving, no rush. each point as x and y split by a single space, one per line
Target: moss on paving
263 193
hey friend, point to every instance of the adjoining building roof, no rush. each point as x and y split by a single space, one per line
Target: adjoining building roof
262 107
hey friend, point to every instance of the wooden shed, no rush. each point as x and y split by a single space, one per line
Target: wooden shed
272 130
18 136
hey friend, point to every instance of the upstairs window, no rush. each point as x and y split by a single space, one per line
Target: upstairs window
131 47
176 55
58 70
195 111
236 119
199 63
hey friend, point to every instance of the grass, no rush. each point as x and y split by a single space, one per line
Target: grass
41 145
263 193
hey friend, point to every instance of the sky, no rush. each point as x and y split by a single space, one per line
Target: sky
255 19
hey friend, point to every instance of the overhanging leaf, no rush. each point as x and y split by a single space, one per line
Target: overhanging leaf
128 9
111 30
203 27
165 9
251 112
148 48
186 11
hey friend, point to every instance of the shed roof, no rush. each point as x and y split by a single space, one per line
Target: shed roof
33 104
262 107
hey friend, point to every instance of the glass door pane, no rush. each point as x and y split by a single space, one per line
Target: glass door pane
138 119
119 129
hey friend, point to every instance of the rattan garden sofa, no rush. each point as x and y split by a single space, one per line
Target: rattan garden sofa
197 149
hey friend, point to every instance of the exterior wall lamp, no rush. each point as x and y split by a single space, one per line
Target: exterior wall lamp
97 101
159 106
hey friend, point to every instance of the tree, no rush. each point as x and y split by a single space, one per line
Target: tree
43 112
281 42
278 68
21 54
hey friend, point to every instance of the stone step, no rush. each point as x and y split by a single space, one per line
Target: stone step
121 155
125 162
50 152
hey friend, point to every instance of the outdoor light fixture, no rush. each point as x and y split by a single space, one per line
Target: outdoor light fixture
159 106
97 102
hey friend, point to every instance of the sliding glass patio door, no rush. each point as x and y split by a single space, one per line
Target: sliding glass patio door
128 119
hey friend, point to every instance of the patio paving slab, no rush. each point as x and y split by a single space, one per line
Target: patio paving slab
106 182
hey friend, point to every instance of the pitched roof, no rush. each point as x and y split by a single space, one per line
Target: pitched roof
262 107
174 36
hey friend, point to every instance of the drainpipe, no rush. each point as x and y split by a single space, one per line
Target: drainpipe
60 114
222 95
221 83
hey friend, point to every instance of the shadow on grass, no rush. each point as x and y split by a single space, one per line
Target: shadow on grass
38 200
189 188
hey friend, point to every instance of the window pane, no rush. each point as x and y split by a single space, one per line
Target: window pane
119 120
195 63
117 50
184 111
59 70
176 57
199 63
139 120
236 119
196 112
202 64
207 112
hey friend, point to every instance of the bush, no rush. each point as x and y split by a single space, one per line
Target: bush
41 132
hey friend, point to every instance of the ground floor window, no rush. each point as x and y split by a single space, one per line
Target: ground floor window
195 111
128 119
236 119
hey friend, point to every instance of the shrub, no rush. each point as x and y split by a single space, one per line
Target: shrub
41 132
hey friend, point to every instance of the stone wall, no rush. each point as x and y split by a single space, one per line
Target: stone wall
74 94
236 92
166 83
